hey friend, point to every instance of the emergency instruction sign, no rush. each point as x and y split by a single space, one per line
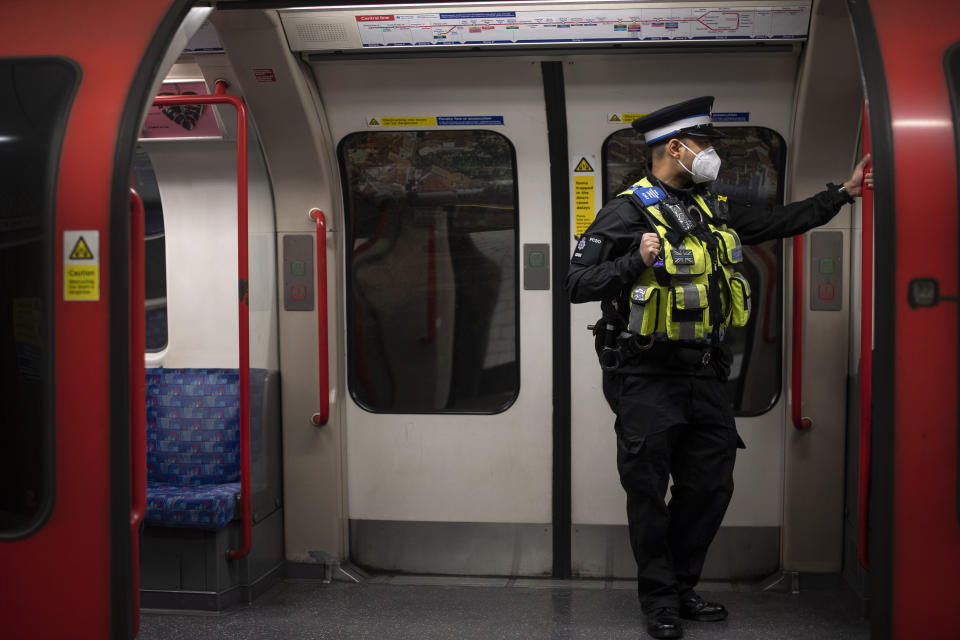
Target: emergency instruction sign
433 121
583 184
623 118
81 265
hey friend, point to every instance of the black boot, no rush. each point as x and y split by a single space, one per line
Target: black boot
664 623
696 608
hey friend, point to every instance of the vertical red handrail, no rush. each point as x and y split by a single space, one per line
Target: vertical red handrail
138 396
220 96
800 422
323 416
866 361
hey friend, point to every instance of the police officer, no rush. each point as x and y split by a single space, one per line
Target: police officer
662 259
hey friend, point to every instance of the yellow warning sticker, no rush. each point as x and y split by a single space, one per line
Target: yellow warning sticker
583 203
623 118
411 121
583 166
81 265
81 251
583 188
81 283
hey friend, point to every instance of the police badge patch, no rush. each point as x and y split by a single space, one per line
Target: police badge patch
588 250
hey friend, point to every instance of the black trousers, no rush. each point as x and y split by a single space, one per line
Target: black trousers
679 426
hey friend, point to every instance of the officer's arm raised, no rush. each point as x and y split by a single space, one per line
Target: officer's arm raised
756 224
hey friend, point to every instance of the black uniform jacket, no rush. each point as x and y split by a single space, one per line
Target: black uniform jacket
606 268
609 264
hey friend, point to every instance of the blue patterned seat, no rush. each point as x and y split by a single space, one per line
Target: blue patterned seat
203 506
193 447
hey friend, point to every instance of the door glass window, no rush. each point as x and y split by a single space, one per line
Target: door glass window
35 99
432 300
753 163
155 252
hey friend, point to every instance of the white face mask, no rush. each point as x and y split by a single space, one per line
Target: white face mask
706 164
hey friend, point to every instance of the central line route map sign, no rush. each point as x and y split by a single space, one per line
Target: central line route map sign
589 25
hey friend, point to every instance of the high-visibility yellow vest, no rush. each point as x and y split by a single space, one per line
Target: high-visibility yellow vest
671 300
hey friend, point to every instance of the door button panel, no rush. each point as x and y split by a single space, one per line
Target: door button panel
826 271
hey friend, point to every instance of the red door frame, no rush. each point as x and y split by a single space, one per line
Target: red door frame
915 537
73 576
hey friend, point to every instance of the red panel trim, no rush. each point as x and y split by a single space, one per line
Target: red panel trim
74 553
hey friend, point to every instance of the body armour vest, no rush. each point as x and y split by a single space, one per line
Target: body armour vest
692 292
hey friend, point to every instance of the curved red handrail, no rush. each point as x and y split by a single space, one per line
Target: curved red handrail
138 396
866 363
800 422
323 416
220 96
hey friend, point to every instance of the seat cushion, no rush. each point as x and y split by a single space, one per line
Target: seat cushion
193 429
209 506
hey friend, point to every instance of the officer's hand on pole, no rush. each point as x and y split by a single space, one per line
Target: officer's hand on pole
649 248
854 185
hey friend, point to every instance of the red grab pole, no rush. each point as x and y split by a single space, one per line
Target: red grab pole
796 394
220 96
138 396
323 416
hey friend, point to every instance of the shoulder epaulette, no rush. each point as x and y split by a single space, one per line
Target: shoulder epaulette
648 195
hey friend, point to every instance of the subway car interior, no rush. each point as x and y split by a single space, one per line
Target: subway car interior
287 350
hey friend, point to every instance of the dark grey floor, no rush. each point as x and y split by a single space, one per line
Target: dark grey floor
428 609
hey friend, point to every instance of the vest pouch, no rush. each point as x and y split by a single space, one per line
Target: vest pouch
644 309
687 312
685 259
731 251
739 300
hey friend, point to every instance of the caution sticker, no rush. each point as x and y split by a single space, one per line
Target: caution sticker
434 121
623 118
411 121
81 265
583 189
583 166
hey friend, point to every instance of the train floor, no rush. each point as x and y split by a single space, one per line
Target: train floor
428 608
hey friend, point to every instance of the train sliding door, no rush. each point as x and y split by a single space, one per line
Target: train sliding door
911 69
70 105
754 93
447 233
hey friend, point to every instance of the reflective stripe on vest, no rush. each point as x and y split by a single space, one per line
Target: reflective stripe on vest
676 305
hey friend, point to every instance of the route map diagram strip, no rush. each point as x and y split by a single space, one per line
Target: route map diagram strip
612 25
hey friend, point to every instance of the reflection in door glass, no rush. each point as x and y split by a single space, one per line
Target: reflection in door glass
432 309
752 170
35 98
